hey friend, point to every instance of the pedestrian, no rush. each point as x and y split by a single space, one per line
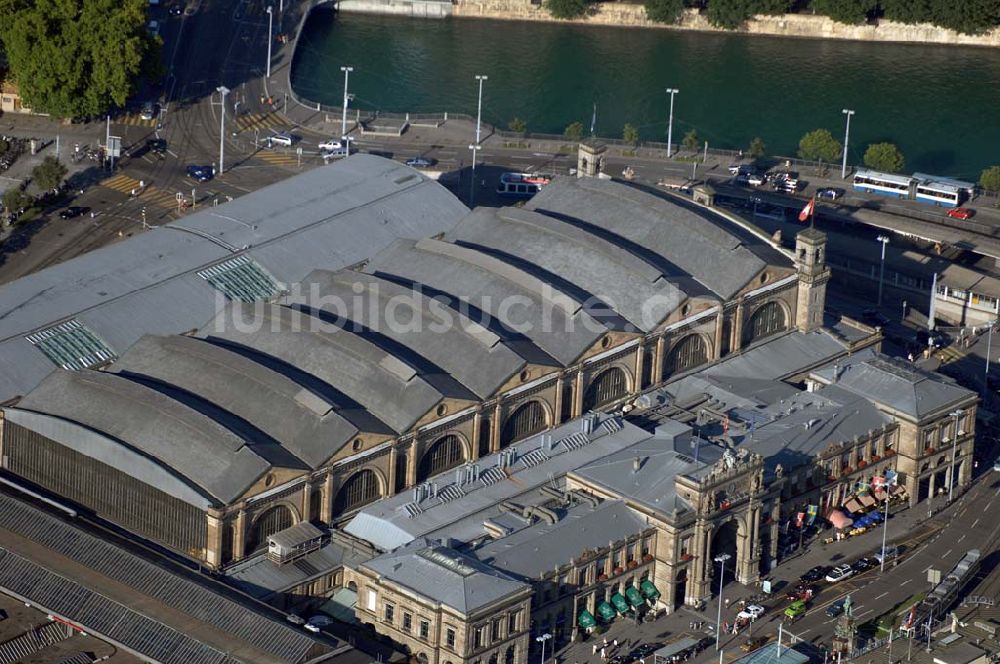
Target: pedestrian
91 215
727 602
614 643
603 654
605 642
593 650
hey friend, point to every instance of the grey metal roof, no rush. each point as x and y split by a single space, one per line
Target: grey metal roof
461 503
459 346
445 576
769 654
542 547
161 583
538 322
187 444
896 384
260 577
659 464
689 245
325 218
356 368
780 357
300 420
293 536
575 262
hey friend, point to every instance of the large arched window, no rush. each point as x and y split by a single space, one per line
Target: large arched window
607 386
485 433
360 489
271 521
648 360
765 321
400 471
316 504
227 543
509 656
527 420
688 353
444 454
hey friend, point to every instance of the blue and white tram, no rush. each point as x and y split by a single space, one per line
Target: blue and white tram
938 193
887 184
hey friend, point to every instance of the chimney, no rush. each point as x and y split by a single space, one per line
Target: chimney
547 442
586 424
636 465
434 489
416 494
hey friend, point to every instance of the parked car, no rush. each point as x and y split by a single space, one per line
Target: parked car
829 193
996 465
154 28
751 612
836 608
177 10
420 162
960 213
892 551
795 610
295 619
875 317
755 179
330 144
74 211
201 173
318 622
932 338
815 574
839 573
864 564
148 111
753 644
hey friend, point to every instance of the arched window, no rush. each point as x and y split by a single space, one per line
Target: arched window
360 489
508 657
400 471
271 521
227 543
527 420
688 353
566 408
768 319
445 453
607 386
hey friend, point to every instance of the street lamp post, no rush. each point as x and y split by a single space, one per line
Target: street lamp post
542 638
885 529
343 120
270 37
884 239
957 414
847 135
721 559
986 374
670 122
222 90
475 148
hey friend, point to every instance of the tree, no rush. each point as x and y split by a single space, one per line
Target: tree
990 179
819 145
757 148
664 11
729 14
884 157
49 174
74 59
517 125
574 131
14 199
630 134
691 140
567 8
845 11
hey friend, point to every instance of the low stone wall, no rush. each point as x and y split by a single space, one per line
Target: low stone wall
787 25
416 8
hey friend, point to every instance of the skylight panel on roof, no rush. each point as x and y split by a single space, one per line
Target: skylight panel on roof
448 562
71 345
241 279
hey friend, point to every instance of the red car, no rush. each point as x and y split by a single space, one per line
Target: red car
960 213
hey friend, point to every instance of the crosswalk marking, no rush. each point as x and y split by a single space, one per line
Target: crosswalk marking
259 121
122 183
135 120
150 195
951 354
277 158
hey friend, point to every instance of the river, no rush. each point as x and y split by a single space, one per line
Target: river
939 104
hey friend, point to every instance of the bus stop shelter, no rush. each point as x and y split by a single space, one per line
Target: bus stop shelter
666 654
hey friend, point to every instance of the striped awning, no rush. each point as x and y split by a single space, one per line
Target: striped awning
649 590
634 598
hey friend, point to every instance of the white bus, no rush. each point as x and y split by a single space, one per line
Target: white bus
887 184
938 193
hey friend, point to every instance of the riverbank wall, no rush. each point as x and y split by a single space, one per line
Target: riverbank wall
634 15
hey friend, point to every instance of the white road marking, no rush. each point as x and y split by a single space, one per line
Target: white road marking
905 582
882 595
960 538
945 554
863 613
975 522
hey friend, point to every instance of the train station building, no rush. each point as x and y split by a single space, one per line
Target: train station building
507 420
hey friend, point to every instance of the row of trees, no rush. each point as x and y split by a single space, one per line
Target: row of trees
967 16
77 58
47 176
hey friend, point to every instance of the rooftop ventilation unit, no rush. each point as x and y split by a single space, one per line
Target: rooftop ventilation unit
575 441
492 475
533 458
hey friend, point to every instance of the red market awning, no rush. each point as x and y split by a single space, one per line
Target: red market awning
897 490
866 500
852 505
840 520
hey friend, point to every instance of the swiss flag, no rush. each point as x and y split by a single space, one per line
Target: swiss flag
808 210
